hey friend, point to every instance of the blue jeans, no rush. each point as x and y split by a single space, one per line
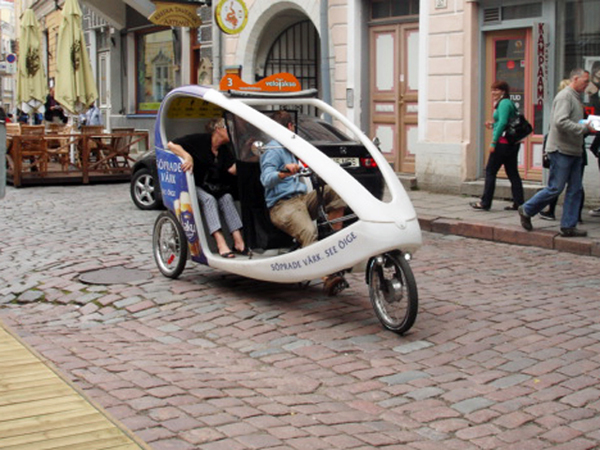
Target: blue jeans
564 171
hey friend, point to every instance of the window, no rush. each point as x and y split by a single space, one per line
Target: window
155 69
383 9
296 51
526 11
582 46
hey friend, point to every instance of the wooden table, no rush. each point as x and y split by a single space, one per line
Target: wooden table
76 155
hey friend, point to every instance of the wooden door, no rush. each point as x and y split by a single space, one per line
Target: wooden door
394 79
509 58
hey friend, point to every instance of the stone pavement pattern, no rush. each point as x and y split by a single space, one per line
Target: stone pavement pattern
451 214
505 353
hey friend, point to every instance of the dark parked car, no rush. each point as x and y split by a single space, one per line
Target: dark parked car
145 188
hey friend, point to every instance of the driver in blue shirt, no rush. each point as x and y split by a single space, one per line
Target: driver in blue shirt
291 208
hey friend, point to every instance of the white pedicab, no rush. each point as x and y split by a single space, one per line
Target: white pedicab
378 238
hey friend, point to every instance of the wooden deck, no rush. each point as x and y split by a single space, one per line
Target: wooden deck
34 156
40 410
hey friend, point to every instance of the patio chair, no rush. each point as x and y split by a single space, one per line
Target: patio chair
115 150
59 148
13 129
33 148
93 144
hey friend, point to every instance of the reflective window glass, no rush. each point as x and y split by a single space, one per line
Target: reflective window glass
155 69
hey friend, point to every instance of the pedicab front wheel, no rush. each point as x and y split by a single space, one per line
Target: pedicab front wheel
393 291
169 245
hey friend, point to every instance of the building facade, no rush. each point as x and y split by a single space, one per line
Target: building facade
416 74
8 36
413 73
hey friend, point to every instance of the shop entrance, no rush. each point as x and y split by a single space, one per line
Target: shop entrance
509 58
394 92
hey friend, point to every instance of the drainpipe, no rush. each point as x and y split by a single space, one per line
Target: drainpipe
216 50
325 69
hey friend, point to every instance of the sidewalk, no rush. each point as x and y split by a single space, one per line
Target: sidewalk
40 409
451 214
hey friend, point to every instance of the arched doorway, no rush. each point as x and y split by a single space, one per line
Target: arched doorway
296 50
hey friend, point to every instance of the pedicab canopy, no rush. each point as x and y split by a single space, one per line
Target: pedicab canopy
32 86
186 111
381 226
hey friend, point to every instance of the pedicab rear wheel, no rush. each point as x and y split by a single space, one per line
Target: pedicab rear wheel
393 291
169 245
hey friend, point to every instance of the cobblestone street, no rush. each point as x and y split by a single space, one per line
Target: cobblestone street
505 353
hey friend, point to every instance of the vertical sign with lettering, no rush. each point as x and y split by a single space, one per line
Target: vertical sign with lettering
541 45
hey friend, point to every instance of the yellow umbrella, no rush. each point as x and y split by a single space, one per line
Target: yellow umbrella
32 86
75 85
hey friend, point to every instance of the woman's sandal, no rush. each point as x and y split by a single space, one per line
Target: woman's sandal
245 252
477 205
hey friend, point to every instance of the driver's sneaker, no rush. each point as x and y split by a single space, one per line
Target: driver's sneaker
572 232
334 284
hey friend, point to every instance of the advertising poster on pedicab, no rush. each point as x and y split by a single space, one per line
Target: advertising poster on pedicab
178 199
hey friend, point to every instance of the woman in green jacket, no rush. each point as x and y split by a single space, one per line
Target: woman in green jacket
501 152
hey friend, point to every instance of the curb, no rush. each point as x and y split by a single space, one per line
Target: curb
509 234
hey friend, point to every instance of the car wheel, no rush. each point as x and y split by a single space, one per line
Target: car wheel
144 190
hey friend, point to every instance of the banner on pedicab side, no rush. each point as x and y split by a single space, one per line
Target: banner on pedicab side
178 199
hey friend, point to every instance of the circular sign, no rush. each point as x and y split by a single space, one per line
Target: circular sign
231 16
11 58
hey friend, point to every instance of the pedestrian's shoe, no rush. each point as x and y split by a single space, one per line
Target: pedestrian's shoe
334 284
595 212
478 206
572 232
547 216
525 219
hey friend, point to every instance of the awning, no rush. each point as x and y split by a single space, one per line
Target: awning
113 11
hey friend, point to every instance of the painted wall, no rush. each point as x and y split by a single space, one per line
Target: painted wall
446 153
267 19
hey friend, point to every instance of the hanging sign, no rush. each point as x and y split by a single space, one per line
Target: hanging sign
176 14
541 42
279 82
231 16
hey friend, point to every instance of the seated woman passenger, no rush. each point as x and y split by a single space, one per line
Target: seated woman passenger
210 159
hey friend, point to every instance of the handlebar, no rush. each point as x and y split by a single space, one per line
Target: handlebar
306 171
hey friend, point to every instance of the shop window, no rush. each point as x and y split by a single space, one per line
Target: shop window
526 11
383 9
582 46
155 59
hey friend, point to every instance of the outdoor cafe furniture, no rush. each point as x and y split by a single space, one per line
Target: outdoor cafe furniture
59 148
115 150
36 155
27 150
92 143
